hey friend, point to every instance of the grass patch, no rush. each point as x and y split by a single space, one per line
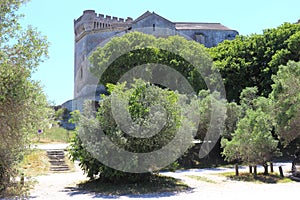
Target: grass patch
259 178
55 134
35 163
156 184
201 178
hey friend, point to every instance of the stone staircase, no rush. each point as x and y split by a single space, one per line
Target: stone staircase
57 160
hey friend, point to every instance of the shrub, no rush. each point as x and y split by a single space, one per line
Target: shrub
142 99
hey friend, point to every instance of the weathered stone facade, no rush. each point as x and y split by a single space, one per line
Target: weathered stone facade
92 30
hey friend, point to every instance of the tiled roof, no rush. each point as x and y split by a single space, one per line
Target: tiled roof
200 26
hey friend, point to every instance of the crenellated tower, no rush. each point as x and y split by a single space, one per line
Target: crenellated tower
91 21
90 30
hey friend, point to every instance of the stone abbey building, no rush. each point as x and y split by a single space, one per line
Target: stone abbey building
92 29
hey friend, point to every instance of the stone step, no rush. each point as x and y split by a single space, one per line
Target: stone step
52 157
63 168
56 156
51 152
57 160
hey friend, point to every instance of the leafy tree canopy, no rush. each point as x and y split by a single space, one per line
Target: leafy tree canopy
121 54
252 142
249 61
149 107
286 97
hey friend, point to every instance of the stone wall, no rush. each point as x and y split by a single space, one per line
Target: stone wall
210 38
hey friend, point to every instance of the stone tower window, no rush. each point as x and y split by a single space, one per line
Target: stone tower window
81 73
153 27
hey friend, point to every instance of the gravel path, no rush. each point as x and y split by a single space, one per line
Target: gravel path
62 186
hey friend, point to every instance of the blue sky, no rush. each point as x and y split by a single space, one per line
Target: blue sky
54 18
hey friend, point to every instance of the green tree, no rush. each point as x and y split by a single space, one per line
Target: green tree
286 97
140 102
250 61
253 142
211 108
23 106
121 54
208 103
191 59
234 113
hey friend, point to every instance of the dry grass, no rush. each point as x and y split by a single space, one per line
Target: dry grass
35 163
201 178
259 178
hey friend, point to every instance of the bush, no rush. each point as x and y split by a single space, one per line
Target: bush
142 100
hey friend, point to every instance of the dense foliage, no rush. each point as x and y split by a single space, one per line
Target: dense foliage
260 76
121 54
250 61
252 141
267 122
286 98
23 106
149 107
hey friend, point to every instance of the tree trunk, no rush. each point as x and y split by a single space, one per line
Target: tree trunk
271 167
281 172
236 169
254 171
250 169
266 169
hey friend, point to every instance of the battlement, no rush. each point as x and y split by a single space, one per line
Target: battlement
90 21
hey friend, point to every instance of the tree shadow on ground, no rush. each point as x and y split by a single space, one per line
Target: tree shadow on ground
159 186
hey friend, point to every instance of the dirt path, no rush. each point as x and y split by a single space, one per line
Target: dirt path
56 186
63 186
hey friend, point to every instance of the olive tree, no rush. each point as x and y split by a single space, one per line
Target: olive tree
23 106
142 101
